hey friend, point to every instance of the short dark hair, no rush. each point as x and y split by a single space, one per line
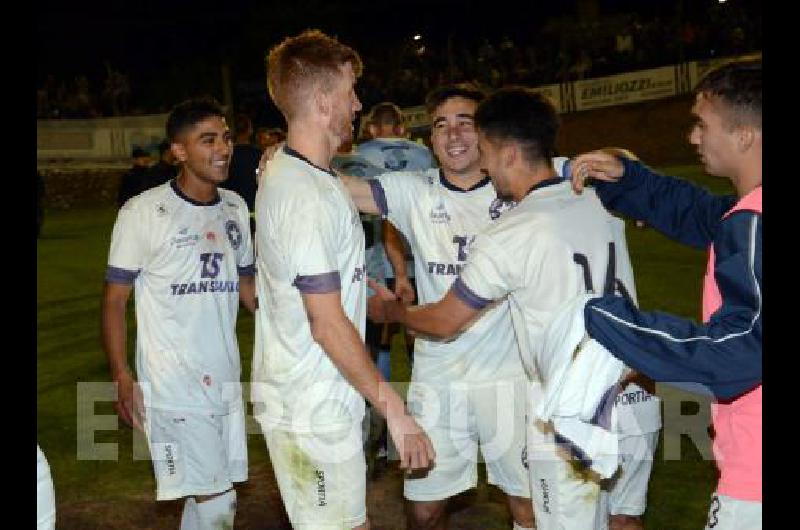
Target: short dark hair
738 85
138 152
190 113
386 112
521 115
163 147
462 90
242 123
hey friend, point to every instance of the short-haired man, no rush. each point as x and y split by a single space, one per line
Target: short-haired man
724 352
165 169
185 247
267 137
134 181
310 365
244 162
534 259
389 146
457 387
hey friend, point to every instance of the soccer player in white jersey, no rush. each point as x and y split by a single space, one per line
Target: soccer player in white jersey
45 495
310 365
535 259
184 246
470 391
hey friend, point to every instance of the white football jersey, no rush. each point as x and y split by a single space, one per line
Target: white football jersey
309 240
553 246
184 259
440 222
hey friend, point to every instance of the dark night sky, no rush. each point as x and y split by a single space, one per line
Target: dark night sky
147 35
174 48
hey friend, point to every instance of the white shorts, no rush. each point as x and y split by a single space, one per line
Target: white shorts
45 495
563 495
196 453
460 417
626 491
727 513
321 476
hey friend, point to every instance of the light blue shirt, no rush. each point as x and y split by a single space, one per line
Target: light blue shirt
397 154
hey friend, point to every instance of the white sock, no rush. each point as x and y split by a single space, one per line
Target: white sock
217 513
189 517
518 527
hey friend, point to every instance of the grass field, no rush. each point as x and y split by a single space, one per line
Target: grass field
72 255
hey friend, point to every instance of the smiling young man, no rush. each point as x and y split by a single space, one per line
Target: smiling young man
310 365
533 258
458 386
184 246
724 352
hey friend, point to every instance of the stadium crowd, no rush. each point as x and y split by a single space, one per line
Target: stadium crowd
405 72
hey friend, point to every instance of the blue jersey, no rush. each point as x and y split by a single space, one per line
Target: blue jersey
355 165
376 260
397 154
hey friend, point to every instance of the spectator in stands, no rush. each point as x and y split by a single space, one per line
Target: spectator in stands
165 169
244 162
266 138
135 180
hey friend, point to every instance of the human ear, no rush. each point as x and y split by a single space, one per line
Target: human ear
179 152
323 103
745 137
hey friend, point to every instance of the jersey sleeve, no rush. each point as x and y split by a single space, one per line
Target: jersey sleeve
311 237
675 207
244 256
128 252
396 193
487 274
725 353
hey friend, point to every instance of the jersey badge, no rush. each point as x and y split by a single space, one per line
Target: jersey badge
439 214
184 239
234 234
498 207
161 210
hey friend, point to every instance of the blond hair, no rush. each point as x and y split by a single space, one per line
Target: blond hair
302 63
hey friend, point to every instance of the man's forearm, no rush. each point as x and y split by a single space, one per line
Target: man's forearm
114 337
247 292
344 347
361 193
395 249
427 319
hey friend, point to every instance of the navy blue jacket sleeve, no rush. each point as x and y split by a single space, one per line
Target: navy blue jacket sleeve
675 207
725 353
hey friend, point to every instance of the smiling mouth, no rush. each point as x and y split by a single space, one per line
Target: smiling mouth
456 151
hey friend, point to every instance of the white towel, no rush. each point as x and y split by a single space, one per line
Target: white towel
579 383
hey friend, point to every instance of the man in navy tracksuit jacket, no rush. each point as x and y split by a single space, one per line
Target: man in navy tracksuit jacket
724 352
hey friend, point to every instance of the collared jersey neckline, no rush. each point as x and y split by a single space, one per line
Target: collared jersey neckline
174 185
447 184
291 152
